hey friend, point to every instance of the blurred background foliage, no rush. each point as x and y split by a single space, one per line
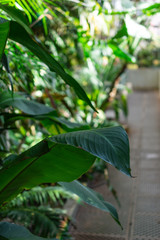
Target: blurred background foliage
40 210
95 41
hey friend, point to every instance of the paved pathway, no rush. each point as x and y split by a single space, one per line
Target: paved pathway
140 196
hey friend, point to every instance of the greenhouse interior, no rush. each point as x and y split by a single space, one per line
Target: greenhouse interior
80 119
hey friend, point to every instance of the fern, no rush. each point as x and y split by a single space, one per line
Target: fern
56 196
43 220
39 10
39 210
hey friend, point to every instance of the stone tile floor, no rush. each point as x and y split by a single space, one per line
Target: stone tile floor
139 196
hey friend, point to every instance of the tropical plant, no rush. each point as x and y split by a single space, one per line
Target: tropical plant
51 160
59 158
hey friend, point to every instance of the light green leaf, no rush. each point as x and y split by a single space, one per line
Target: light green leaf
25 105
118 52
4 30
91 197
11 231
17 15
152 9
110 144
18 34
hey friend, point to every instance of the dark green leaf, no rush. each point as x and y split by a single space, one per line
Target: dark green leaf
47 120
4 30
45 162
122 32
17 15
20 102
70 126
91 197
110 144
5 63
18 34
3 238
12 231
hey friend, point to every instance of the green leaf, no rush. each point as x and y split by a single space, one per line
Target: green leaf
120 52
11 231
47 120
67 125
91 197
4 30
122 32
110 144
52 160
18 34
20 102
45 162
17 15
152 9
50 118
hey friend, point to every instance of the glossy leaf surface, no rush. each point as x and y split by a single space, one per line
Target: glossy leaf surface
110 144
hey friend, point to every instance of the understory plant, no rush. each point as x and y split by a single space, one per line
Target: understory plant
40 210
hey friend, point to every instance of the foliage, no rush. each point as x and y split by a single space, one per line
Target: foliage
37 162
46 116
148 57
40 210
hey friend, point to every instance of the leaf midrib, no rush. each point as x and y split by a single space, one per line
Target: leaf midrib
25 168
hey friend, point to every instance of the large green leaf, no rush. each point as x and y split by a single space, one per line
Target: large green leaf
4 30
45 162
25 105
110 144
91 197
52 160
10 231
17 15
19 34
